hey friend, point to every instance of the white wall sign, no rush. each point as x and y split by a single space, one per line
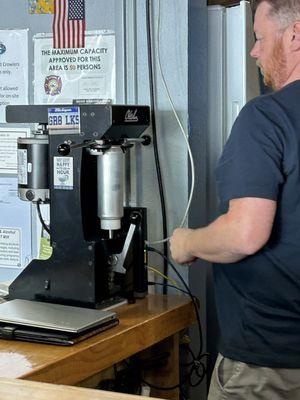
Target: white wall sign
62 75
10 247
8 148
15 227
13 68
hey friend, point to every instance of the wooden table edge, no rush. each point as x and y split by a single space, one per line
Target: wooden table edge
181 315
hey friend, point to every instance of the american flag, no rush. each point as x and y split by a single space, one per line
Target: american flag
68 24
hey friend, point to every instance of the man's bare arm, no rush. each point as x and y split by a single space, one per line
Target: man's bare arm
242 231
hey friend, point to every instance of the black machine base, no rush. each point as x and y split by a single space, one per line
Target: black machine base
84 275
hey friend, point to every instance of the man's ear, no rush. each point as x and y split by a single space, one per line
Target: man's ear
295 36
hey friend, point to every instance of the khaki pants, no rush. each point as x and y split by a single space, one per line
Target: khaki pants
235 380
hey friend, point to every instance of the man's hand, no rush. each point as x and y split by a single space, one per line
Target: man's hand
178 246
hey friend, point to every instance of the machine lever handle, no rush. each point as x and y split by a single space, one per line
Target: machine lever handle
119 266
65 148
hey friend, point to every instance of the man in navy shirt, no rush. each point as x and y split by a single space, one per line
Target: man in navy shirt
255 243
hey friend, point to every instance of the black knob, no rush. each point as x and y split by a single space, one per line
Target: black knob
135 218
146 140
63 149
30 195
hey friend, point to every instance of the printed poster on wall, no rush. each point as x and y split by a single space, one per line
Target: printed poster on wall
15 226
62 75
13 68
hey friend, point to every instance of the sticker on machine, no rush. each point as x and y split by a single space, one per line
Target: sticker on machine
22 166
64 117
10 247
63 173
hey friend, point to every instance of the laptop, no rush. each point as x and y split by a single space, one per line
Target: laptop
51 323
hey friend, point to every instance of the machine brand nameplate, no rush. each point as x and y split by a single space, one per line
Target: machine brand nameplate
131 116
63 173
64 118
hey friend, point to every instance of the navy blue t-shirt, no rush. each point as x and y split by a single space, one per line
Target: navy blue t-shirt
258 298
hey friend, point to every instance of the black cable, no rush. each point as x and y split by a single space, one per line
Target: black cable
152 249
136 365
197 361
190 351
196 364
38 203
154 135
188 364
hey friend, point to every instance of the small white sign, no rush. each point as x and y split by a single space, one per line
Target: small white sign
10 247
63 173
13 68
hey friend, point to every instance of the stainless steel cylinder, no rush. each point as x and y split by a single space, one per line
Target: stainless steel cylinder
33 168
110 170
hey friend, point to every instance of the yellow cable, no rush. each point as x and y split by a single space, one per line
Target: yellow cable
161 274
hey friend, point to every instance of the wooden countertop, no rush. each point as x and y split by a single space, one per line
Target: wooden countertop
16 389
148 321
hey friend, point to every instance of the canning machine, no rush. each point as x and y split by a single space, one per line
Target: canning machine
75 161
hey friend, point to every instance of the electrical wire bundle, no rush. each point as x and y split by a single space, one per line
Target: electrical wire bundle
197 368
